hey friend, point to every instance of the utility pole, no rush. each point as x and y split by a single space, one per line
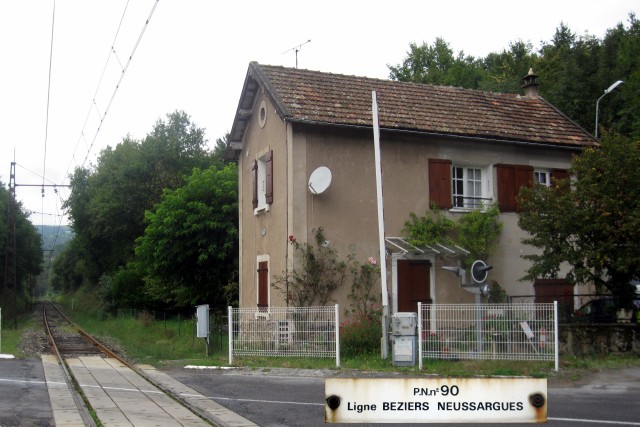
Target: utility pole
10 282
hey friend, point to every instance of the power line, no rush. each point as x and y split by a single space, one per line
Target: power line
124 71
46 127
93 101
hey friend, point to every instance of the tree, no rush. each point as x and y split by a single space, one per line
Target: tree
28 248
437 65
189 250
108 201
574 70
591 224
503 71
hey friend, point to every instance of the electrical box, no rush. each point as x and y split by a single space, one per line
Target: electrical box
404 324
404 350
202 315
404 332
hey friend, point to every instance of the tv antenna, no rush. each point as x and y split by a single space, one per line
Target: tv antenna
296 49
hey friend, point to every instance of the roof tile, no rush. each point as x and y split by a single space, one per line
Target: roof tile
315 96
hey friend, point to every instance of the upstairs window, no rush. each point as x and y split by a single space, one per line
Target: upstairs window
467 187
263 182
461 187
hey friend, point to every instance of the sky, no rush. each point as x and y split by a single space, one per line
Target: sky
64 96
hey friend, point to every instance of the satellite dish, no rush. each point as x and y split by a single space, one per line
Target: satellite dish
319 180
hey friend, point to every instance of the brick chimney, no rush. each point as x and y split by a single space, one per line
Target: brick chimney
530 84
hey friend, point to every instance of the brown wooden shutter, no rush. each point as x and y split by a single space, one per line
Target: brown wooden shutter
263 285
510 179
506 176
440 183
524 178
558 174
269 176
254 173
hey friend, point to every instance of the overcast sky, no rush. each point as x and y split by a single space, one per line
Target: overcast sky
194 54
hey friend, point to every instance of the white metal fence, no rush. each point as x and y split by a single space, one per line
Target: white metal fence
488 331
280 331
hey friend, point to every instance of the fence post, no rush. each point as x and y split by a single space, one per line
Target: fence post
230 315
419 335
337 311
555 334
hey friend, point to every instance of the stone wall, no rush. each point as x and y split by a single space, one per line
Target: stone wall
599 339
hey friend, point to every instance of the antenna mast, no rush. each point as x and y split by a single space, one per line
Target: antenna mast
296 49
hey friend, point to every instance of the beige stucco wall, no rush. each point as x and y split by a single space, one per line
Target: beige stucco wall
261 233
347 209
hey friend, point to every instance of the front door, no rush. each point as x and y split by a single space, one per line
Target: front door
413 284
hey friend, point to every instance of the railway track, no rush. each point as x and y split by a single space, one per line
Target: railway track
79 353
65 338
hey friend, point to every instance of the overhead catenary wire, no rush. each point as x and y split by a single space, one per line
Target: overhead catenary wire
46 127
92 104
112 50
124 71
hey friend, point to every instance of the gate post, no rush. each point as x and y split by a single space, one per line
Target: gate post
419 335
337 327
230 332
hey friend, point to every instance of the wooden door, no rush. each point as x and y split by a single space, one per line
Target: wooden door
414 284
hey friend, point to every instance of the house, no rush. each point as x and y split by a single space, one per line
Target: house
457 148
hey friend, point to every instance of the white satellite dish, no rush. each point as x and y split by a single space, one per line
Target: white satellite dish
319 180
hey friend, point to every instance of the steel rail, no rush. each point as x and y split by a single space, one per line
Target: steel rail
68 377
178 398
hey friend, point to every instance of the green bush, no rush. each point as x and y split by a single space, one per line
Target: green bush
362 334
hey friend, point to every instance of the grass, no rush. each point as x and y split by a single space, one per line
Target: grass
172 343
11 336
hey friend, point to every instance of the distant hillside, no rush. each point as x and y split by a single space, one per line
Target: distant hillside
54 235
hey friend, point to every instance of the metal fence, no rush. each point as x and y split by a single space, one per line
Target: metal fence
280 331
488 331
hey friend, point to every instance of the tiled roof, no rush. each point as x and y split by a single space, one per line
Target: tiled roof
317 97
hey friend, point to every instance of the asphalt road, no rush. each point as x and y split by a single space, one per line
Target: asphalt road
280 397
24 399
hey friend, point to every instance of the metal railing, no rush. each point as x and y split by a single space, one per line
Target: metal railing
280 331
470 202
488 332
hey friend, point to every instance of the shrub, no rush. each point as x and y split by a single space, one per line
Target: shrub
362 334
363 295
316 273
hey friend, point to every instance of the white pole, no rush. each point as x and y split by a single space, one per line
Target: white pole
230 332
557 340
383 264
337 327
419 335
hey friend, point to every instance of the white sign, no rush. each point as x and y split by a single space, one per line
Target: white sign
431 400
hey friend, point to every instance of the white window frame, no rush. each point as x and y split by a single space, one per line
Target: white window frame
546 177
262 185
483 184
